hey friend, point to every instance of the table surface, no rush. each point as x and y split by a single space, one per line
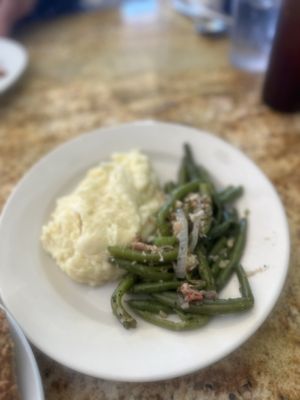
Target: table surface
103 68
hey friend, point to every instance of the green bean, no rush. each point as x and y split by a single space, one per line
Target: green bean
182 315
215 269
125 253
220 306
191 166
197 283
218 246
207 307
224 192
232 214
230 194
167 299
204 270
162 267
116 301
218 209
172 325
244 283
215 255
195 171
205 188
183 173
235 256
144 271
165 240
220 229
189 275
204 176
223 256
169 186
153 287
177 194
185 316
149 305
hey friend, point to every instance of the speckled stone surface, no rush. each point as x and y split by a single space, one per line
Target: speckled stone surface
93 70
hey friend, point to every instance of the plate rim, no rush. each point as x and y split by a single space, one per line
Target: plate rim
17 46
259 322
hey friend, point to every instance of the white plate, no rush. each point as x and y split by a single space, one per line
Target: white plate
28 376
73 323
13 61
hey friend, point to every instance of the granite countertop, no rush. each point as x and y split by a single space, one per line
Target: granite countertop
100 69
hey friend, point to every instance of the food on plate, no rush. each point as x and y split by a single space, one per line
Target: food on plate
2 72
174 251
175 275
109 207
8 382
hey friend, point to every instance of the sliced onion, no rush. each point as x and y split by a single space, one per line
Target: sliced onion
183 244
195 233
196 219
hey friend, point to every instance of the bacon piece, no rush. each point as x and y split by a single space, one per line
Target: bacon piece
190 294
140 246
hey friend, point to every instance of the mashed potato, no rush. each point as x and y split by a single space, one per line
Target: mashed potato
108 207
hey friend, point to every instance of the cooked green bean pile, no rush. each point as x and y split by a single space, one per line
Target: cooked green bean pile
173 278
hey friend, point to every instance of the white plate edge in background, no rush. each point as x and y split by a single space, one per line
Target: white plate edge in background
28 375
16 53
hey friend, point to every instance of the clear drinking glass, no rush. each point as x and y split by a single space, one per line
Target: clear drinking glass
252 33
210 16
